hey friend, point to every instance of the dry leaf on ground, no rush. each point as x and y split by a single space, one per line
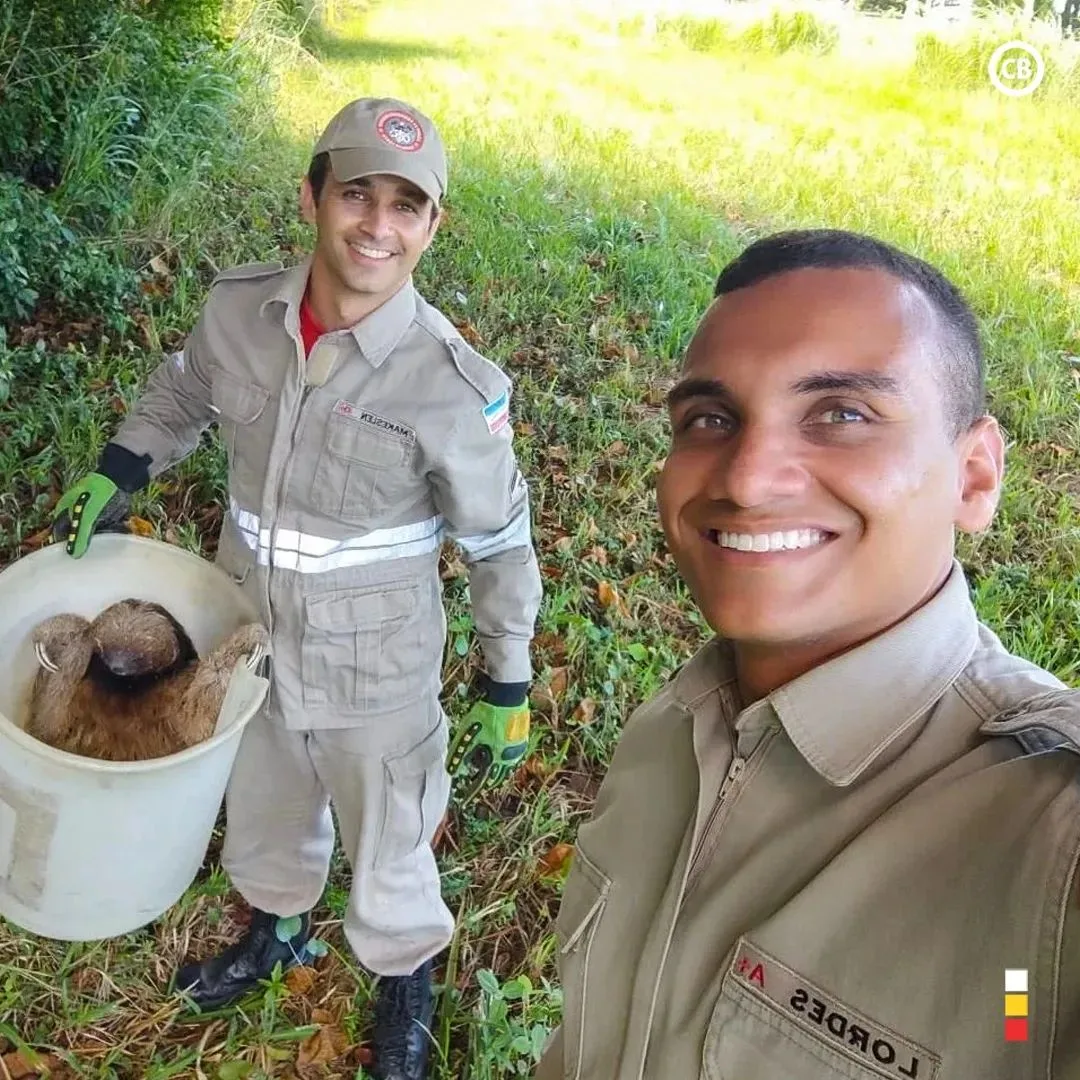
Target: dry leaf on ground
300 980
140 526
556 861
585 711
324 1046
560 679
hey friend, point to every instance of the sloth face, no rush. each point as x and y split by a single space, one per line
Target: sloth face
135 637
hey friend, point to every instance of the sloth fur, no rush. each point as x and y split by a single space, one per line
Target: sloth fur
129 685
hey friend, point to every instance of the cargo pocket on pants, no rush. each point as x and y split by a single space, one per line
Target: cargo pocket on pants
579 917
416 789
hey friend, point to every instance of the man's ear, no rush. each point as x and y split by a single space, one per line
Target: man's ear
981 462
307 201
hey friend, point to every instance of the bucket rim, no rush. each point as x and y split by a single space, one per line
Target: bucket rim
62 757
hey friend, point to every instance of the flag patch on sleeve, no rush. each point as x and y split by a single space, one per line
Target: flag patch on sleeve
498 412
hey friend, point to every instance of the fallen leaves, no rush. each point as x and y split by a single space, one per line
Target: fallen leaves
556 862
585 711
300 980
140 526
37 540
535 766
325 1045
609 598
557 684
19 1064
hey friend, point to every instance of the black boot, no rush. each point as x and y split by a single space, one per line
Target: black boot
238 969
404 1007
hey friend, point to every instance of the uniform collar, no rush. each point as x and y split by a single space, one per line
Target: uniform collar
379 333
859 708
376 336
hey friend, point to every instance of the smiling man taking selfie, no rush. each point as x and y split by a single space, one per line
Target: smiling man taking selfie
820 848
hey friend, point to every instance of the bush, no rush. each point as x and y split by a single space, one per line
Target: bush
782 32
41 256
111 108
964 62
701 35
791 30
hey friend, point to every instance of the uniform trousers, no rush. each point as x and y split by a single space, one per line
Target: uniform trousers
388 784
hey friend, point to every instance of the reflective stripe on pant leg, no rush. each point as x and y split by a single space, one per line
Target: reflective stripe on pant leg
279 833
390 797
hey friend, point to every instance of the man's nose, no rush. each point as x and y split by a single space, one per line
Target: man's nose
377 220
760 465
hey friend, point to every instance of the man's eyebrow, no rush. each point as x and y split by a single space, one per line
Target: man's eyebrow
814 383
867 381
696 388
405 189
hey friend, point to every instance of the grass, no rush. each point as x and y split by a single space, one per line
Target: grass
602 172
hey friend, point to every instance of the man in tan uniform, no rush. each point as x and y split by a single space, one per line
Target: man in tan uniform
820 848
361 430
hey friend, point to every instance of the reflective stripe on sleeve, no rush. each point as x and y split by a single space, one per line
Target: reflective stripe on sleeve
517 534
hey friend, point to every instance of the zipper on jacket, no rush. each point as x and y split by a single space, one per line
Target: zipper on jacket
305 390
735 770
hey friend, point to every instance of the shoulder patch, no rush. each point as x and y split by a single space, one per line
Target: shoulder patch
497 413
1047 721
249 271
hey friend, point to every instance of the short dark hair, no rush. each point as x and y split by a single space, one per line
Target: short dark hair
962 367
319 170
317 173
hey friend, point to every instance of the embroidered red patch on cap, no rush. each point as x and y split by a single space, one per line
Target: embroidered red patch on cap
400 130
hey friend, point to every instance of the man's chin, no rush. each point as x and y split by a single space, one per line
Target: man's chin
766 622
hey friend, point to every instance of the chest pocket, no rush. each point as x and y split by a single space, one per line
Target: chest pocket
365 469
579 917
247 431
769 1022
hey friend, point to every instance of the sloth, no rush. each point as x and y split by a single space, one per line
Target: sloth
129 686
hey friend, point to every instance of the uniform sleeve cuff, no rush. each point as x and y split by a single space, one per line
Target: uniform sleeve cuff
505 695
507 660
129 472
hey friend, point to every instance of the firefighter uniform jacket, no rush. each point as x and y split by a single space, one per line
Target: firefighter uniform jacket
834 880
346 474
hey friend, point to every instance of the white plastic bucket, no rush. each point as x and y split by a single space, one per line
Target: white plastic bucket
93 849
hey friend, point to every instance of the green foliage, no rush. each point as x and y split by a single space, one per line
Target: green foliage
42 256
503 1043
701 35
963 63
109 106
781 32
785 31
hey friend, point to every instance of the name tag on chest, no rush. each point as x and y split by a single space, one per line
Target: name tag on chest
361 415
838 1025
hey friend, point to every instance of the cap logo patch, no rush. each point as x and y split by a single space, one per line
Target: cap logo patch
400 130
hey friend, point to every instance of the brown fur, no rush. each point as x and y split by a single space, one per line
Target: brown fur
130 685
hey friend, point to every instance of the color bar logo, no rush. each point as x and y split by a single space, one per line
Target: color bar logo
1016 1005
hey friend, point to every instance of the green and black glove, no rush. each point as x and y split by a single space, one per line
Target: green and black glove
493 738
100 501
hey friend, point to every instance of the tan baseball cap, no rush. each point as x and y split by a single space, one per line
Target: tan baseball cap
384 135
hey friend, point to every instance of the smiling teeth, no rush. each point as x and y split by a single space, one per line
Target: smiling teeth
790 540
371 253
